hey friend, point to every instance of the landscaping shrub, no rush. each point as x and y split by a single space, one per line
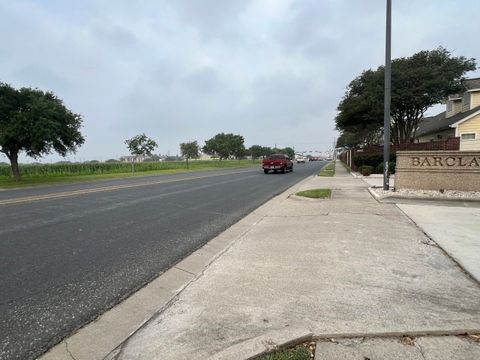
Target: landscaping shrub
366 170
391 168
373 160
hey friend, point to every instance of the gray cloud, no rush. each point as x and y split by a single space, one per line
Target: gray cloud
115 35
212 18
271 70
204 80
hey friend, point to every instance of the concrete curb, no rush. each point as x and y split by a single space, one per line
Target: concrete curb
104 337
264 344
394 198
277 340
97 339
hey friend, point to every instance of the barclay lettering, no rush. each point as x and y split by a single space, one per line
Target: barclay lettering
437 161
415 161
425 162
449 160
474 162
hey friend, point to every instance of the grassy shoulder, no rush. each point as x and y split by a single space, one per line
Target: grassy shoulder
316 193
298 353
6 182
328 170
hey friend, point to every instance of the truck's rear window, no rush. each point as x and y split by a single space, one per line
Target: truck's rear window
276 157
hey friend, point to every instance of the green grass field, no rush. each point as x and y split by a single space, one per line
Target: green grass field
64 173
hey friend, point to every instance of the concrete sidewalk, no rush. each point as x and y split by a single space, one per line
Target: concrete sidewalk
338 268
454 228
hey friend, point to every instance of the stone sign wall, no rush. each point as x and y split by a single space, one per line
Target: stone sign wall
438 170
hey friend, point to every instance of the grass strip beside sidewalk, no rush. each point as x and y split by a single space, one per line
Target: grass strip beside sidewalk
328 170
316 193
298 353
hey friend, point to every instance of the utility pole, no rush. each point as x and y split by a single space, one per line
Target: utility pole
388 95
334 149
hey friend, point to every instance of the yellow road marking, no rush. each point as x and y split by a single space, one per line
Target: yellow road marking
58 195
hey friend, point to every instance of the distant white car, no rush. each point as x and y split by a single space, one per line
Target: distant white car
301 159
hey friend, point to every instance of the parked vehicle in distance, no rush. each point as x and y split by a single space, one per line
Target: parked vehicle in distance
301 159
277 162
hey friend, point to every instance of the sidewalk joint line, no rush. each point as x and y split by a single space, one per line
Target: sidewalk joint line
68 351
188 272
420 349
395 334
462 269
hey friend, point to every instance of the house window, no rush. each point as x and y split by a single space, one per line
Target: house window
468 136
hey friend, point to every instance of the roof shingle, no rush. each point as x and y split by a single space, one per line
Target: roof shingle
439 122
471 84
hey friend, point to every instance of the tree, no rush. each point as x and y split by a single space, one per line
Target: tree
267 151
140 145
37 123
290 152
418 82
190 150
287 151
225 145
348 140
360 112
256 151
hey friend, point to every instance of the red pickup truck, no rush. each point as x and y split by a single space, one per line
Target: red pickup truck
277 162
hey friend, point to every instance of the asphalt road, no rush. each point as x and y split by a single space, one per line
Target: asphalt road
70 252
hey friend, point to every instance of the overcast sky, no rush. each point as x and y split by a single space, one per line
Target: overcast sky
270 70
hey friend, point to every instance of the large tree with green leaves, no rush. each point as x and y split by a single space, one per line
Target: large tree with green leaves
290 152
190 150
36 123
257 151
360 112
418 82
225 145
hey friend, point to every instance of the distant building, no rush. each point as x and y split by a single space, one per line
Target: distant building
460 119
207 157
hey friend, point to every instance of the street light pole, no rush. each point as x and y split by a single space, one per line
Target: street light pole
388 95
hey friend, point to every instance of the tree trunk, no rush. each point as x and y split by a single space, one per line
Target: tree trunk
13 157
187 162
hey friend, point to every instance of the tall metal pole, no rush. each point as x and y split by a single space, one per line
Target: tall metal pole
388 96
334 149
